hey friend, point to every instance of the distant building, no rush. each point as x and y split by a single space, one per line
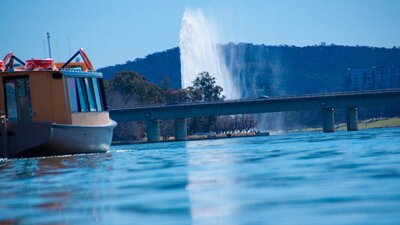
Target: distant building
262 89
373 78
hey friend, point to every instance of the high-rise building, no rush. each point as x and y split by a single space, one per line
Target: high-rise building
373 78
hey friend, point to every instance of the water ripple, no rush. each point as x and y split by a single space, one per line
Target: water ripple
298 178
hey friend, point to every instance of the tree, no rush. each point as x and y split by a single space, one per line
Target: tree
129 84
204 89
165 82
179 96
238 122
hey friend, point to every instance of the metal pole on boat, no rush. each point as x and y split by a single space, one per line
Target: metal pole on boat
48 43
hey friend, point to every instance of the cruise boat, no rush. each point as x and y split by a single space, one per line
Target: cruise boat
49 108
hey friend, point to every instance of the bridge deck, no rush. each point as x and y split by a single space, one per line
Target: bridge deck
251 106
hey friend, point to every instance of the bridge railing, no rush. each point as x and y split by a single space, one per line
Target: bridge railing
272 98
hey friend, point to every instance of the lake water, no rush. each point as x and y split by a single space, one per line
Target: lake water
298 178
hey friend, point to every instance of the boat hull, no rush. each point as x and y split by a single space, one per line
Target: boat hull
57 139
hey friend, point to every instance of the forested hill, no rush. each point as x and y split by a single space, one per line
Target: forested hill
154 67
290 69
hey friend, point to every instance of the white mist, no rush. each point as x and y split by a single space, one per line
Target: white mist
199 51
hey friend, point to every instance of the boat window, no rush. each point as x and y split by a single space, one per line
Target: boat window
22 87
18 99
90 94
12 110
85 94
73 97
83 102
97 94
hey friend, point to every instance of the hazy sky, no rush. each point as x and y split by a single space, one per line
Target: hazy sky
114 31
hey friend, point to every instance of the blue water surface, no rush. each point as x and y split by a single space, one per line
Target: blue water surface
297 178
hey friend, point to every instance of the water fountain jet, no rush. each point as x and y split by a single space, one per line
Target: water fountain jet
200 51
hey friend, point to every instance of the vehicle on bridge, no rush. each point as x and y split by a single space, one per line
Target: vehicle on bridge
50 108
264 97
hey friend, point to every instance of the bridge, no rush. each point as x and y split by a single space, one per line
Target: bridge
326 102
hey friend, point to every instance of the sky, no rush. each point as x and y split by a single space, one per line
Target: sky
115 31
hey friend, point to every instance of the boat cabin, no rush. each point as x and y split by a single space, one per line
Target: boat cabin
44 91
50 108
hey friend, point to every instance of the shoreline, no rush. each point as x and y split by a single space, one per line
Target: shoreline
199 138
362 125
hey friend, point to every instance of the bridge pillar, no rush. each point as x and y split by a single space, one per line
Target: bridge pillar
352 119
329 120
153 130
180 129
